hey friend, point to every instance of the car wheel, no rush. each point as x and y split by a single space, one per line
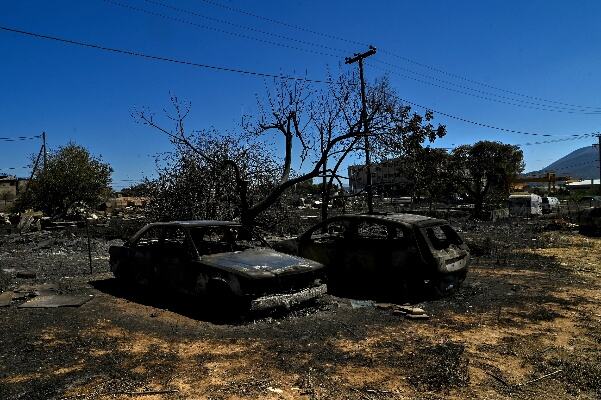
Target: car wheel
222 298
446 285
121 273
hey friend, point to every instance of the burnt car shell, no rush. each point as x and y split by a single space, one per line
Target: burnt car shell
257 277
400 250
589 221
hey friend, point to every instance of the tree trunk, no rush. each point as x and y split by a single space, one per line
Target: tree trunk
325 197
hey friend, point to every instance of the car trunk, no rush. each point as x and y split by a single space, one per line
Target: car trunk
446 246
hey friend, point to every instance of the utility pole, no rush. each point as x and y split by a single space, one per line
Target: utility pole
350 60
44 147
599 150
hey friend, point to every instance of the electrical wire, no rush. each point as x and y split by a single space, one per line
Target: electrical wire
519 103
392 54
585 136
245 27
19 138
491 126
253 73
206 27
512 101
161 58
275 21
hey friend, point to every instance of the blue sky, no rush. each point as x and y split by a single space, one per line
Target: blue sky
544 49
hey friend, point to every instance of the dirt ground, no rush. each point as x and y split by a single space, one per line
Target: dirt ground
526 324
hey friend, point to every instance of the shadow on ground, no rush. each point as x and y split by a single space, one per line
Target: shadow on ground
197 308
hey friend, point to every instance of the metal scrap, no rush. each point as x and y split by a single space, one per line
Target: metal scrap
54 301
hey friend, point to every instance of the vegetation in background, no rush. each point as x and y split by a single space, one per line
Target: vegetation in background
72 178
483 172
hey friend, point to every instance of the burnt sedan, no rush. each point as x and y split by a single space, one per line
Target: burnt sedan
385 255
218 259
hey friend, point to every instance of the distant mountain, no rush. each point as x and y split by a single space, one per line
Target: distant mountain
582 163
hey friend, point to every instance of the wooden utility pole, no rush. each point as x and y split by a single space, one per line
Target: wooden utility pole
599 150
44 147
350 60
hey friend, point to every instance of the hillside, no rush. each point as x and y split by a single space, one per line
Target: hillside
582 163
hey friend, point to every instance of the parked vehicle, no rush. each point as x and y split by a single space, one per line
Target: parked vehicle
590 201
550 205
217 259
525 205
385 255
590 221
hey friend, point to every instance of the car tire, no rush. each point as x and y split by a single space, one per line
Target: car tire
446 285
222 298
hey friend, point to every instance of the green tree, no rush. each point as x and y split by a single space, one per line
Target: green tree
483 171
430 171
71 177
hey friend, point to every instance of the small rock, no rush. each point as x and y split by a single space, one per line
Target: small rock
5 299
362 303
417 316
26 274
275 390
385 306
411 310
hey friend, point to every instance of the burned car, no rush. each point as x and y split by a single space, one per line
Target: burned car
385 255
590 221
218 259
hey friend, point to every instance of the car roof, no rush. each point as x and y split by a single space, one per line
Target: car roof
195 223
182 224
407 220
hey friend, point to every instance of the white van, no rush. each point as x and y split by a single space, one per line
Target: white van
525 205
550 205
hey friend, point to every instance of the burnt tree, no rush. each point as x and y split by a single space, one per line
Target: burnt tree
320 128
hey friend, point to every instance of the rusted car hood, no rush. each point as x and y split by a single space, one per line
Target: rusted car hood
260 262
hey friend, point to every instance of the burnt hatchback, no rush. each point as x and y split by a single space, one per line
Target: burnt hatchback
385 255
218 259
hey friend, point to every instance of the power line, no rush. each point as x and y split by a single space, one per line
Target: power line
240 35
513 102
275 21
245 27
160 58
247 72
491 126
456 76
584 136
19 138
392 54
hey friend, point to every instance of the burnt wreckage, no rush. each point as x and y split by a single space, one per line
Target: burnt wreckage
387 255
219 259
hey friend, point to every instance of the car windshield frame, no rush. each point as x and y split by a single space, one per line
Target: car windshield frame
226 243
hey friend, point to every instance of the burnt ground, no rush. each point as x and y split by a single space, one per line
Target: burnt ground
525 324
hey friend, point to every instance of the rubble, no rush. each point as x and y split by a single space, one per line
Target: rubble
53 301
138 343
5 298
27 274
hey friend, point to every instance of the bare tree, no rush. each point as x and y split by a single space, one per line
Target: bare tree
325 126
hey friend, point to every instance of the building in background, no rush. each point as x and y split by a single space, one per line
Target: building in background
386 177
586 184
11 187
